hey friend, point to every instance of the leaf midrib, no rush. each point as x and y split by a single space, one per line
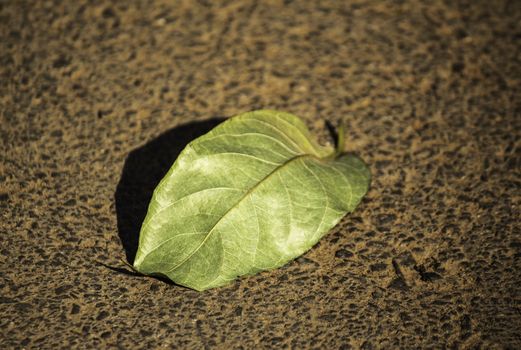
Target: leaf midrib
274 171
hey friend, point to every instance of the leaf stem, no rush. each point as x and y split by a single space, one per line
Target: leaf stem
340 142
130 266
339 135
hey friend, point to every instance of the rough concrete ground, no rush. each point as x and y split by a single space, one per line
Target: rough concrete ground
97 98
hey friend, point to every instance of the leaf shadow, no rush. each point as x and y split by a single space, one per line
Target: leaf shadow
130 272
143 170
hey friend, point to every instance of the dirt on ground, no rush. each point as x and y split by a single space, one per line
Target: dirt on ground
97 98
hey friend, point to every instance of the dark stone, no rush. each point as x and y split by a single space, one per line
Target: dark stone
61 62
378 267
343 254
102 315
57 133
427 276
108 13
62 289
71 202
458 67
399 284
238 311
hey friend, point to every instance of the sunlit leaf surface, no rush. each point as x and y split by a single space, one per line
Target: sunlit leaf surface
252 194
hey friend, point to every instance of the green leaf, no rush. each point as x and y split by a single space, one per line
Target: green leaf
252 194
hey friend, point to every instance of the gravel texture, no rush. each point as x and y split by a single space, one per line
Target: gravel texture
97 98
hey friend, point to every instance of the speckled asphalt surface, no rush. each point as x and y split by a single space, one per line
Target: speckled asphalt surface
97 99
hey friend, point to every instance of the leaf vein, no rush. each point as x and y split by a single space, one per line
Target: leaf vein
235 206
